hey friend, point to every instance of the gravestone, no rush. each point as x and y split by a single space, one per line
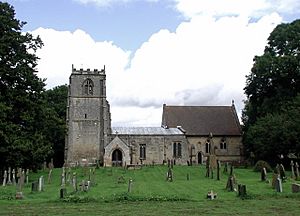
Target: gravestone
50 176
34 186
44 166
169 163
172 163
242 190
63 178
282 172
225 168
13 177
211 195
9 176
230 183
4 178
295 188
170 175
297 171
218 170
69 175
130 185
27 176
62 193
187 176
19 172
263 174
207 168
278 185
121 180
74 181
41 184
274 177
292 169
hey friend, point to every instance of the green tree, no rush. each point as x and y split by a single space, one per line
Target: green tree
55 124
271 89
22 142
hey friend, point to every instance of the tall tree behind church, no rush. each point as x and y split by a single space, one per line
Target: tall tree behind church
22 142
271 115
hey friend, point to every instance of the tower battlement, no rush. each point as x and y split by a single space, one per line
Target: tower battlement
88 71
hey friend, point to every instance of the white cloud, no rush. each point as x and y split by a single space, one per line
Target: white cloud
204 62
253 8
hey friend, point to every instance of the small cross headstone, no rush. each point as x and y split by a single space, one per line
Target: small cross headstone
263 174
297 170
13 177
278 185
211 195
292 169
130 185
41 184
9 176
4 178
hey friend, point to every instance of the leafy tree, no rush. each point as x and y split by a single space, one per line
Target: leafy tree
272 90
22 142
55 124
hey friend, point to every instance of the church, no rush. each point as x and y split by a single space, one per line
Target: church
187 135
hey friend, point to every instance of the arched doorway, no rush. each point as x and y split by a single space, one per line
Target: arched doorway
117 157
199 158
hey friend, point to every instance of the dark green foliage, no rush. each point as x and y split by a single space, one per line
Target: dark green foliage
271 114
22 141
262 164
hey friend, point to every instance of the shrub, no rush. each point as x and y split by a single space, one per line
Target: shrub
261 164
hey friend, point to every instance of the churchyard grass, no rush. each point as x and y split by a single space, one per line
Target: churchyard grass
151 194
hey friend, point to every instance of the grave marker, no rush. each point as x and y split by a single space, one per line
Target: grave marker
292 169
295 188
297 171
27 176
50 176
4 178
170 175
278 185
263 174
130 185
9 176
13 177
41 184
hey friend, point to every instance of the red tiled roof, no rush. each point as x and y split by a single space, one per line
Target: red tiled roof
202 120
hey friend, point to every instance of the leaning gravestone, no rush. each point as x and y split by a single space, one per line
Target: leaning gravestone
34 186
50 176
242 190
4 178
278 185
13 177
41 183
62 193
263 176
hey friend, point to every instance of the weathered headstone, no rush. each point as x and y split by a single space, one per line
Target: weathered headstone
9 176
41 184
62 193
274 177
170 175
74 181
19 172
13 177
63 178
225 168
292 169
282 172
218 170
295 188
69 175
278 185
34 186
263 174
130 185
169 163
4 178
242 190
27 176
44 166
230 183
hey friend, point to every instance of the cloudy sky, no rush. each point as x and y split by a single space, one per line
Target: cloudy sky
177 52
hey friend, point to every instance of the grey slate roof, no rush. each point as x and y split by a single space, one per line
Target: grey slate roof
146 131
202 120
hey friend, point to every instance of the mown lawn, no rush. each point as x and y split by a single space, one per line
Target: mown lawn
152 195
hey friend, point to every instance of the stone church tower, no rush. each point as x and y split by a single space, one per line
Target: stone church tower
88 116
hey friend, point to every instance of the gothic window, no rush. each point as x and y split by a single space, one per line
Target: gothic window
143 151
207 147
176 149
223 144
88 86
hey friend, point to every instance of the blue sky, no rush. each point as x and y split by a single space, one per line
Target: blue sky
126 24
178 52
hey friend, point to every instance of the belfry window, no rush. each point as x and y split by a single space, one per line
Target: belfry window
88 86
143 151
207 147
